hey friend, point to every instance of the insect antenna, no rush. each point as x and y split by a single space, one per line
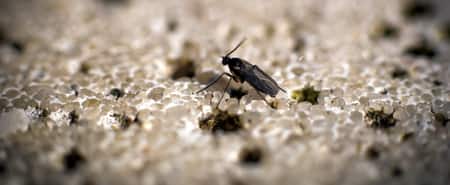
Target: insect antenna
235 48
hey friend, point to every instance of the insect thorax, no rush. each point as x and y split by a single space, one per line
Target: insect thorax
230 61
237 68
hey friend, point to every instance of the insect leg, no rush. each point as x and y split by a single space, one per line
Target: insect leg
264 98
240 89
225 90
214 81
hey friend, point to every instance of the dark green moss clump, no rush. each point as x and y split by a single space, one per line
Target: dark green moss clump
421 49
417 9
221 121
306 94
116 93
73 159
379 119
399 72
251 155
182 67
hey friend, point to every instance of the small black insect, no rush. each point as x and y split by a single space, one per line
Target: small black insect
243 71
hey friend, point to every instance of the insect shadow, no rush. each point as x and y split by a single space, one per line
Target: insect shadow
243 71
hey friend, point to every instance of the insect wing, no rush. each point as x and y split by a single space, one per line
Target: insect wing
261 81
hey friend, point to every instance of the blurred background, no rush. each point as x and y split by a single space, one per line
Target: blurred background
102 92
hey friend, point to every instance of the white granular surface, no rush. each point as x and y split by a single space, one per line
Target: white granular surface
56 93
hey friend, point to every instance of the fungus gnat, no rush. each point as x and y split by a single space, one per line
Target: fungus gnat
243 71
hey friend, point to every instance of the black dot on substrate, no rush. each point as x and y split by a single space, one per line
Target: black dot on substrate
399 72
390 31
441 118
73 117
172 25
73 159
251 155
396 171
75 89
299 44
116 93
2 167
437 82
17 46
380 120
415 9
372 153
14 44
385 30
421 49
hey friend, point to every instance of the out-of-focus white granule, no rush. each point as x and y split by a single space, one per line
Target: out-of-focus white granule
13 120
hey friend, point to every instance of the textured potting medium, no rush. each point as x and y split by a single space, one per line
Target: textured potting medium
103 92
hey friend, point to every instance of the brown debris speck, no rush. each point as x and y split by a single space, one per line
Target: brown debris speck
251 155
73 159
221 121
399 72
385 30
372 153
379 119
